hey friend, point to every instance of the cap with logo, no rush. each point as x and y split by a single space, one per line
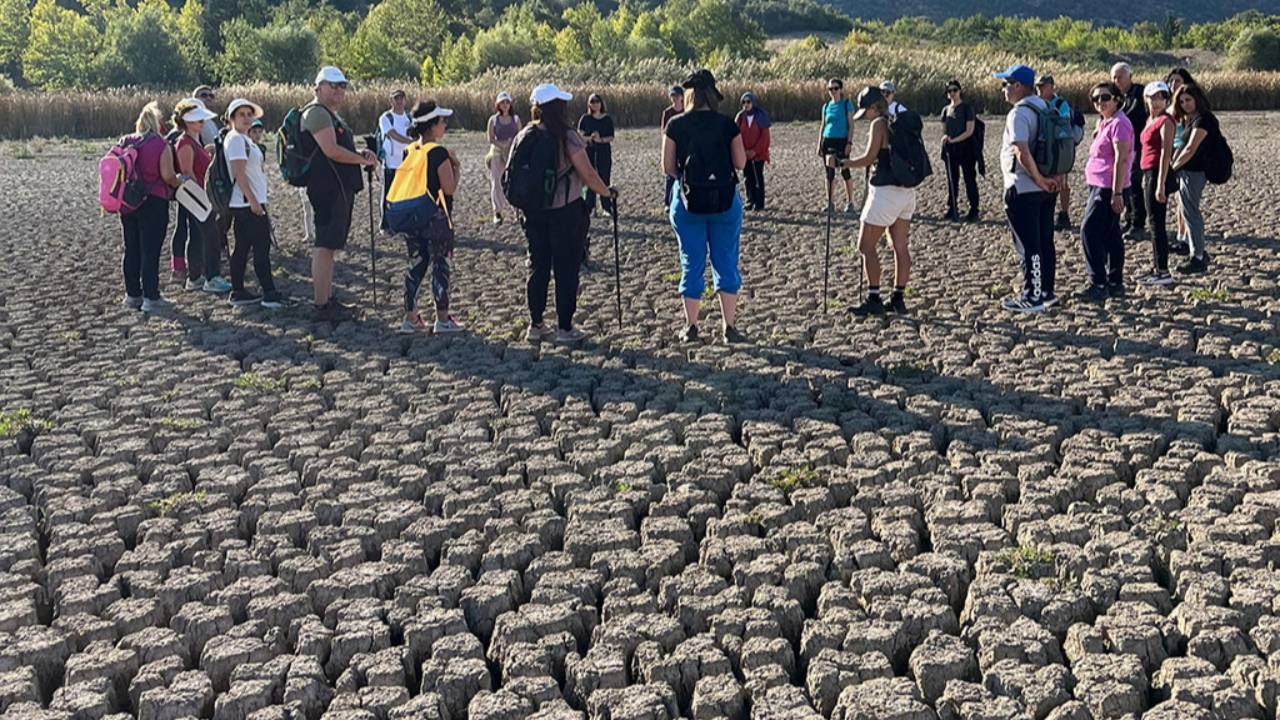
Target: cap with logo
1020 74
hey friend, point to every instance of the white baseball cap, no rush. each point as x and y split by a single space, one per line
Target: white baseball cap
888 86
504 96
548 92
241 102
1156 87
330 74
439 112
197 113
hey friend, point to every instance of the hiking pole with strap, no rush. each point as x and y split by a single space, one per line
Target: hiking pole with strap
953 201
617 264
826 263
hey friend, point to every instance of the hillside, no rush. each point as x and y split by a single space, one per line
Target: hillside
1101 11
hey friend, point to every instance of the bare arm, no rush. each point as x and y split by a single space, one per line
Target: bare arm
1189 150
186 160
166 168
1166 157
493 138
669 156
328 142
239 172
448 180
1121 148
738 152
875 140
578 158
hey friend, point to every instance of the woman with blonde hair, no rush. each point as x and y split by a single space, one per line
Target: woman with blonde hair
504 125
144 228
204 250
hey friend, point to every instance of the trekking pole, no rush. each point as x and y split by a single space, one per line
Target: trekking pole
952 200
617 264
370 143
826 263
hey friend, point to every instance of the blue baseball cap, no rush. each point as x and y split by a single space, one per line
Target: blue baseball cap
1020 74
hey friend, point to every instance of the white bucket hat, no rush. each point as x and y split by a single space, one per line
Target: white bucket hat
241 102
548 92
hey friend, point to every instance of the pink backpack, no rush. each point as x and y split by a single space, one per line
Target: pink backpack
119 189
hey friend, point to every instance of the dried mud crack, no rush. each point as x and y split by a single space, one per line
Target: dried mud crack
957 514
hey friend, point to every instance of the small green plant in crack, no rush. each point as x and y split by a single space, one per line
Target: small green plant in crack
174 423
177 501
708 293
1206 295
671 277
1026 562
1164 524
255 382
996 290
622 486
21 421
792 479
1273 357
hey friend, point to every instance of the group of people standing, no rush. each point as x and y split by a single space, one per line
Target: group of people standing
1147 137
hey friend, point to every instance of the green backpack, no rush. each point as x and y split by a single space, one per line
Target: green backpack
295 149
1055 147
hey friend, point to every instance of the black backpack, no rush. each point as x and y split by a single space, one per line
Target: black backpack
908 159
1219 160
218 182
708 182
532 175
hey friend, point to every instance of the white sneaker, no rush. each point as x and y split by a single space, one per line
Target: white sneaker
539 333
409 327
443 327
150 305
131 302
1158 279
195 283
569 337
216 284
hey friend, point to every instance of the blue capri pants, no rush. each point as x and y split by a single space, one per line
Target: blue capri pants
700 235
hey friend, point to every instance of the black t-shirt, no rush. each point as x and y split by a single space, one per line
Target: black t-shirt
436 157
696 127
588 124
1209 123
955 118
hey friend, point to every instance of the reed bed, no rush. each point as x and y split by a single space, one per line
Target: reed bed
790 86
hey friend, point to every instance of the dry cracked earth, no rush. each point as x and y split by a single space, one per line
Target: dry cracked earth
956 514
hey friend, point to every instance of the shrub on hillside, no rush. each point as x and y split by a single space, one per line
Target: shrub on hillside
1255 49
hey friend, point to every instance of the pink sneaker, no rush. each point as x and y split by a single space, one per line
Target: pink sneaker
179 266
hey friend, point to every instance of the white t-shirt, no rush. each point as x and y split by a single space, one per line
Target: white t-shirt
393 150
240 147
1020 126
895 107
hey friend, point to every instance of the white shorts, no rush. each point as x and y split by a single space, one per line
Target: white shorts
887 204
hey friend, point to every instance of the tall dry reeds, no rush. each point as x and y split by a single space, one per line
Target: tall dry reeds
790 86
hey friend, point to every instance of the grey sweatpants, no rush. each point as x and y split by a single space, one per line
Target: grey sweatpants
1190 191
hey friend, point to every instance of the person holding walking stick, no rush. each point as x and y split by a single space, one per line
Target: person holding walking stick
959 124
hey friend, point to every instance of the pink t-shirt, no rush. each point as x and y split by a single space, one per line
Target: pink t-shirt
1102 154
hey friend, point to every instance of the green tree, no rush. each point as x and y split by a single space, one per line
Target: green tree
417 27
275 53
140 47
191 40
15 26
62 48
1255 49
724 28
457 62
371 54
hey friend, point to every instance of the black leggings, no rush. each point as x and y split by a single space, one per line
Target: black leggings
143 237
1157 213
837 147
754 177
253 235
204 251
556 238
184 229
958 164
601 157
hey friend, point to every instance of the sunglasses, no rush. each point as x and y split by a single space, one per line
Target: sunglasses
338 85
1103 97
206 96
834 89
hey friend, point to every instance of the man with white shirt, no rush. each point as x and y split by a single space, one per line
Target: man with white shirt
890 91
393 126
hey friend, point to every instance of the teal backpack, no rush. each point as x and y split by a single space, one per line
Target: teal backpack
1054 147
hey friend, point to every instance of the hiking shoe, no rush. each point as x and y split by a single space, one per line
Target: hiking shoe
1177 247
444 327
972 217
952 216
733 336
849 209
1093 294
275 301
831 206
872 306
240 298
133 303
497 219
689 334
898 304
154 304
216 284
1049 300
1194 266
1159 277
539 333
1116 290
569 337
195 283
1022 304
1063 223
413 327
1136 234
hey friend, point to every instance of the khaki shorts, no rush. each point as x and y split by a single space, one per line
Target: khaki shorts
887 204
